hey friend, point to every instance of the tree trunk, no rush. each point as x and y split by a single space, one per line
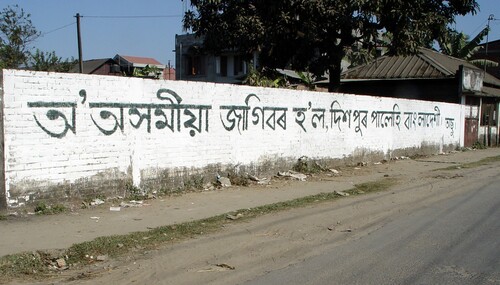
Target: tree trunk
334 72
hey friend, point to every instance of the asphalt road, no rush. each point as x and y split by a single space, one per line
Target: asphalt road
451 241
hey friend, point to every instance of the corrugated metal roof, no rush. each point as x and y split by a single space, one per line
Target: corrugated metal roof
492 92
398 67
428 64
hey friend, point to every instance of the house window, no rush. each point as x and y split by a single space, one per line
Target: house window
195 65
239 65
488 115
223 66
217 65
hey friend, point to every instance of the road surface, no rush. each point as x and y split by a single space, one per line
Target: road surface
434 227
450 241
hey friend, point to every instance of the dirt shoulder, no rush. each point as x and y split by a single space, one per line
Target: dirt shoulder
61 231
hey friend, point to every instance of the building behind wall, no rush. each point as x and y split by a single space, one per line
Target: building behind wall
132 65
489 53
126 66
102 66
192 63
433 76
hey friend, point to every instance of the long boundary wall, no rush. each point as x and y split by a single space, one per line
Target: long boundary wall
70 135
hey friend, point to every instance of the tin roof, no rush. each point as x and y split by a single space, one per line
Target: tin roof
428 64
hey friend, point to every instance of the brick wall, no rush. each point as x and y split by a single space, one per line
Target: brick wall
70 135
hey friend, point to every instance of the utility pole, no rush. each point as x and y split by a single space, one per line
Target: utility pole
490 18
180 61
169 70
79 35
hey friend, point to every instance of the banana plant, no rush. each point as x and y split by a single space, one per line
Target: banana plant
457 44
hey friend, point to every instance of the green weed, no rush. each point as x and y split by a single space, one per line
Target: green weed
43 209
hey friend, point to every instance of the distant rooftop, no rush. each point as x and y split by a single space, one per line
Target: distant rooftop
138 61
89 66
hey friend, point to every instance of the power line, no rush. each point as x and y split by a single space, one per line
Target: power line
57 29
480 27
133 17
112 17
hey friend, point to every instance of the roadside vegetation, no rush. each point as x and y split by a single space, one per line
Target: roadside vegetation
43 209
484 161
42 265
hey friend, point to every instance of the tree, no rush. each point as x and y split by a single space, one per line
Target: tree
16 33
315 35
263 78
49 61
457 44
150 71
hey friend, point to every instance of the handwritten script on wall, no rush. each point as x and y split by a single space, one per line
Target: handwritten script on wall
173 115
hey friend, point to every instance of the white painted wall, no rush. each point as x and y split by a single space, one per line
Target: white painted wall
487 135
33 156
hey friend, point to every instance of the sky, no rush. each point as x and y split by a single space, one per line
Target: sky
147 28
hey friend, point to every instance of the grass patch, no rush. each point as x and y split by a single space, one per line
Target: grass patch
36 265
43 209
23 264
484 161
195 182
375 186
118 245
133 192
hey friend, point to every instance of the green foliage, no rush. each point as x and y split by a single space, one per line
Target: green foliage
134 192
478 145
40 207
484 63
43 209
457 44
23 264
194 182
315 35
307 79
150 71
16 34
264 78
49 61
